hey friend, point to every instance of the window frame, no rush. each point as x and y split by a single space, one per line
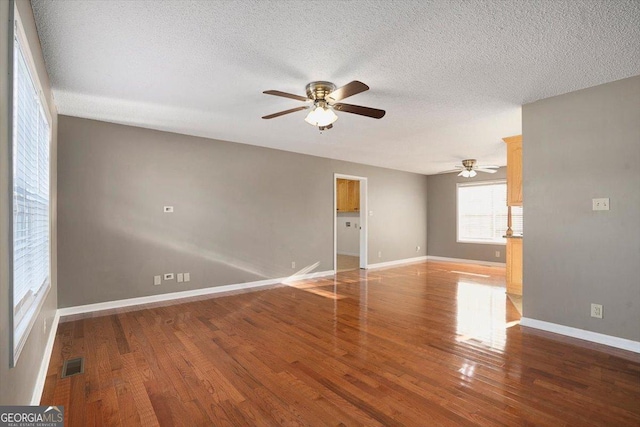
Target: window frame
503 240
17 343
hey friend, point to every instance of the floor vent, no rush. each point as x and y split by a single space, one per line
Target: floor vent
73 367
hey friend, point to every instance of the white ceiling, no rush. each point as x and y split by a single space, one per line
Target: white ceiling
451 75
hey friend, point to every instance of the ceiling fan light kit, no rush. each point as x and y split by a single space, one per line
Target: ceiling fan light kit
324 96
321 115
468 174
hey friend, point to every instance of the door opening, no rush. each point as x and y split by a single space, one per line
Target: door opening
349 222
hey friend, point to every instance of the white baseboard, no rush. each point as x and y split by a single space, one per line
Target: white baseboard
397 262
46 358
596 337
89 308
466 261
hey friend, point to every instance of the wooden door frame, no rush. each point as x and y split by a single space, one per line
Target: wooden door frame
363 243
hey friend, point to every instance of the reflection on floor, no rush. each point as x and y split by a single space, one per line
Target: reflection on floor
426 344
347 262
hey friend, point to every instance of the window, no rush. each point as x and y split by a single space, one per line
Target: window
482 213
31 132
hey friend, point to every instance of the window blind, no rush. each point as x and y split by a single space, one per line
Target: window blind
31 141
482 213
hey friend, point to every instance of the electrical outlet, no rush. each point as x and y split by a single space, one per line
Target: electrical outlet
417 248
293 264
157 280
187 277
497 254
168 276
600 204
179 278
168 209
379 254
596 310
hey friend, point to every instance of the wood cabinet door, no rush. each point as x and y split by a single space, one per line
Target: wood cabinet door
354 196
343 195
514 171
514 266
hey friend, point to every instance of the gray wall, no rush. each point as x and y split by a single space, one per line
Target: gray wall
242 213
576 147
442 219
17 383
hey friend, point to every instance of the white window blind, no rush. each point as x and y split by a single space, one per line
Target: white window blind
482 213
31 142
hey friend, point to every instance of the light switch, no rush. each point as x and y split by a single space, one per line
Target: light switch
600 204
168 209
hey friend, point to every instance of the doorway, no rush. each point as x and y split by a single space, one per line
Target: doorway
349 222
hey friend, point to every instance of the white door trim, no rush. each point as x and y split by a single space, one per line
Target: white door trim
363 218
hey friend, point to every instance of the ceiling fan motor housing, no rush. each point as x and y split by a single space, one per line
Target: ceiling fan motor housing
469 163
319 90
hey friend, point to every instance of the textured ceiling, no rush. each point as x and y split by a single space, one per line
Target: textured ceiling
451 75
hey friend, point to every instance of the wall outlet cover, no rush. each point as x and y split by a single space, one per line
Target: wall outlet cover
187 277
601 204
168 276
157 280
168 209
180 278
596 311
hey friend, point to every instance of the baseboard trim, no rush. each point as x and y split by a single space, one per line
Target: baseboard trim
89 308
46 358
611 341
397 262
466 261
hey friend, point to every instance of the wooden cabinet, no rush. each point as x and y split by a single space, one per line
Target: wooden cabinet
514 170
514 198
353 201
348 198
514 266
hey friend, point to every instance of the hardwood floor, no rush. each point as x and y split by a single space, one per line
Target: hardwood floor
420 345
347 262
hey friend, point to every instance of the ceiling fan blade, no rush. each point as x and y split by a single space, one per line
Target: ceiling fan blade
347 90
461 173
451 170
286 95
363 111
282 113
487 167
485 170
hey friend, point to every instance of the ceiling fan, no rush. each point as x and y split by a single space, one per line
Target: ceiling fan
469 168
322 98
